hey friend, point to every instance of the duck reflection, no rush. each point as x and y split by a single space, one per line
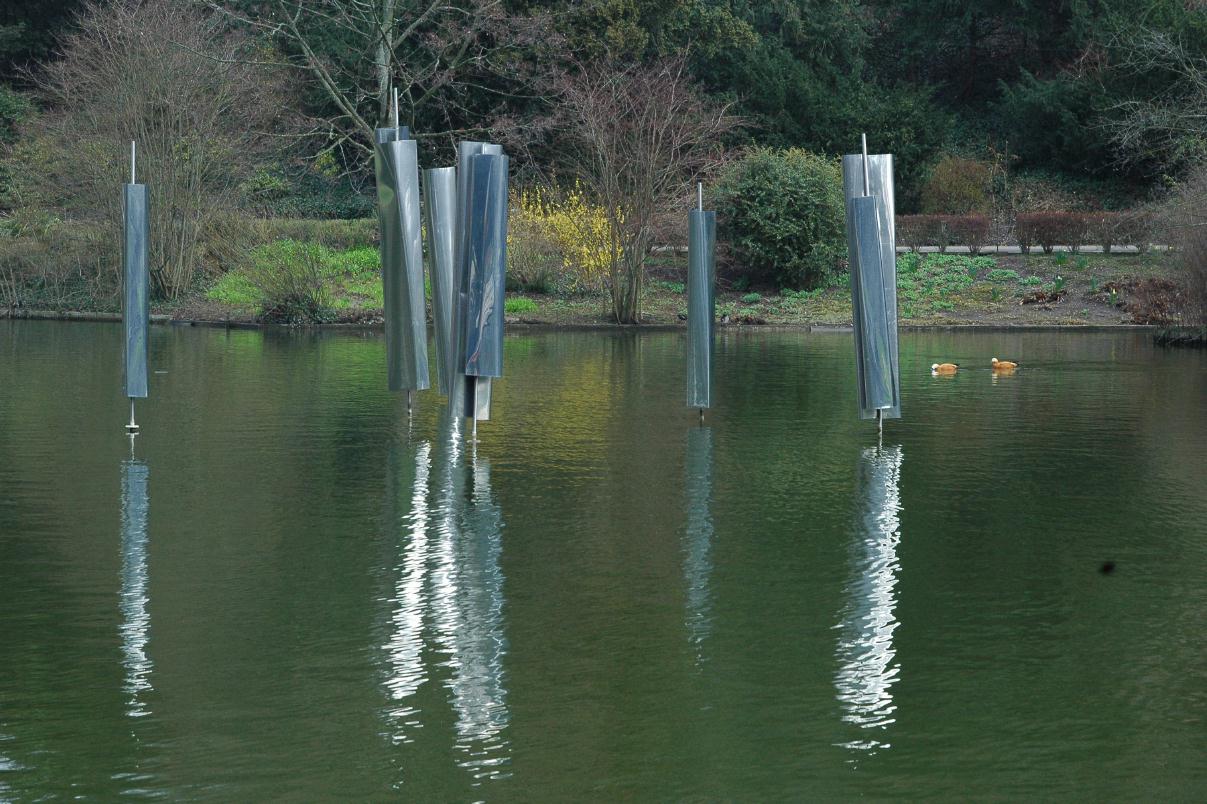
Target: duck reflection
450 587
697 543
136 622
865 651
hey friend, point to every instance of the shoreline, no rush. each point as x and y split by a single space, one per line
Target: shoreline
164 319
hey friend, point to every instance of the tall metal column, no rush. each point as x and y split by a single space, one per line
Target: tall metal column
135 300
701 304
868 189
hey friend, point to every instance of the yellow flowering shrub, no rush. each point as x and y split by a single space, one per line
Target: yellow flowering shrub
558 239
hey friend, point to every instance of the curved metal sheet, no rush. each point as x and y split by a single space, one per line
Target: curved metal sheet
440 212
391 134
136 303
461 398
397 170
486 265
883 274
701 305
868 299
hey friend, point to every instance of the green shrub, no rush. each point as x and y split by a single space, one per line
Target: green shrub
1030 281
935 277
782 213
293 282
518 304
334 234
673 287
1001 275
751 298
957 186
363 262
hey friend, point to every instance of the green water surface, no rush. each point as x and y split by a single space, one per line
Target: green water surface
286 590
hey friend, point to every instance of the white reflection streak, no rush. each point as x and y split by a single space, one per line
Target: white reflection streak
467 601
865 651
697 563
405 647
136 622
6 766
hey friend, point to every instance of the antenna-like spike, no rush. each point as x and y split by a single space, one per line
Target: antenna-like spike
133 155
867 180
396 131
700 196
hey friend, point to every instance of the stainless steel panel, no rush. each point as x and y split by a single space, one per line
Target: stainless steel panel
135 300
880 180
391 134
402 265
460 398
875 369
481 393
484 280
440 211
701 305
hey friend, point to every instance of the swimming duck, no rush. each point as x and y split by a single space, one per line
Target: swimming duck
944 368
1003 365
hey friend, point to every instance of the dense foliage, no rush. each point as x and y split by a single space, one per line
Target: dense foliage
782 213
1101 88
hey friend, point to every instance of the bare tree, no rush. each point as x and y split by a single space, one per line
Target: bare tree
1185 221
167 76
637 137
1170 127
457 65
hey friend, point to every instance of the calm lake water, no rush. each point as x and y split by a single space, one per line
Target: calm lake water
292 592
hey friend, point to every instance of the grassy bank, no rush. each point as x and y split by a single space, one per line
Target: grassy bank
310 272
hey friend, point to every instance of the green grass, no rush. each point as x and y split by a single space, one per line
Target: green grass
352 276
926 283
233 288
519 304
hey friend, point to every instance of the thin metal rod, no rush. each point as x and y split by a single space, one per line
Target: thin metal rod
700 196
410 400
867 180
133 156
880 422
131 427
475 435
396 131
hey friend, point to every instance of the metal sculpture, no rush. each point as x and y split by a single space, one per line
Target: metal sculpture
701 302
868 189
440 213
135 302
481 265
397 170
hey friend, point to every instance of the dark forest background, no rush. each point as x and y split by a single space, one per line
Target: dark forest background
1038 89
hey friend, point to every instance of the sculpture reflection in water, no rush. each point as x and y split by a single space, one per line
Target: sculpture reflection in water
450 586
136 622
865 652
405 646
697 547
